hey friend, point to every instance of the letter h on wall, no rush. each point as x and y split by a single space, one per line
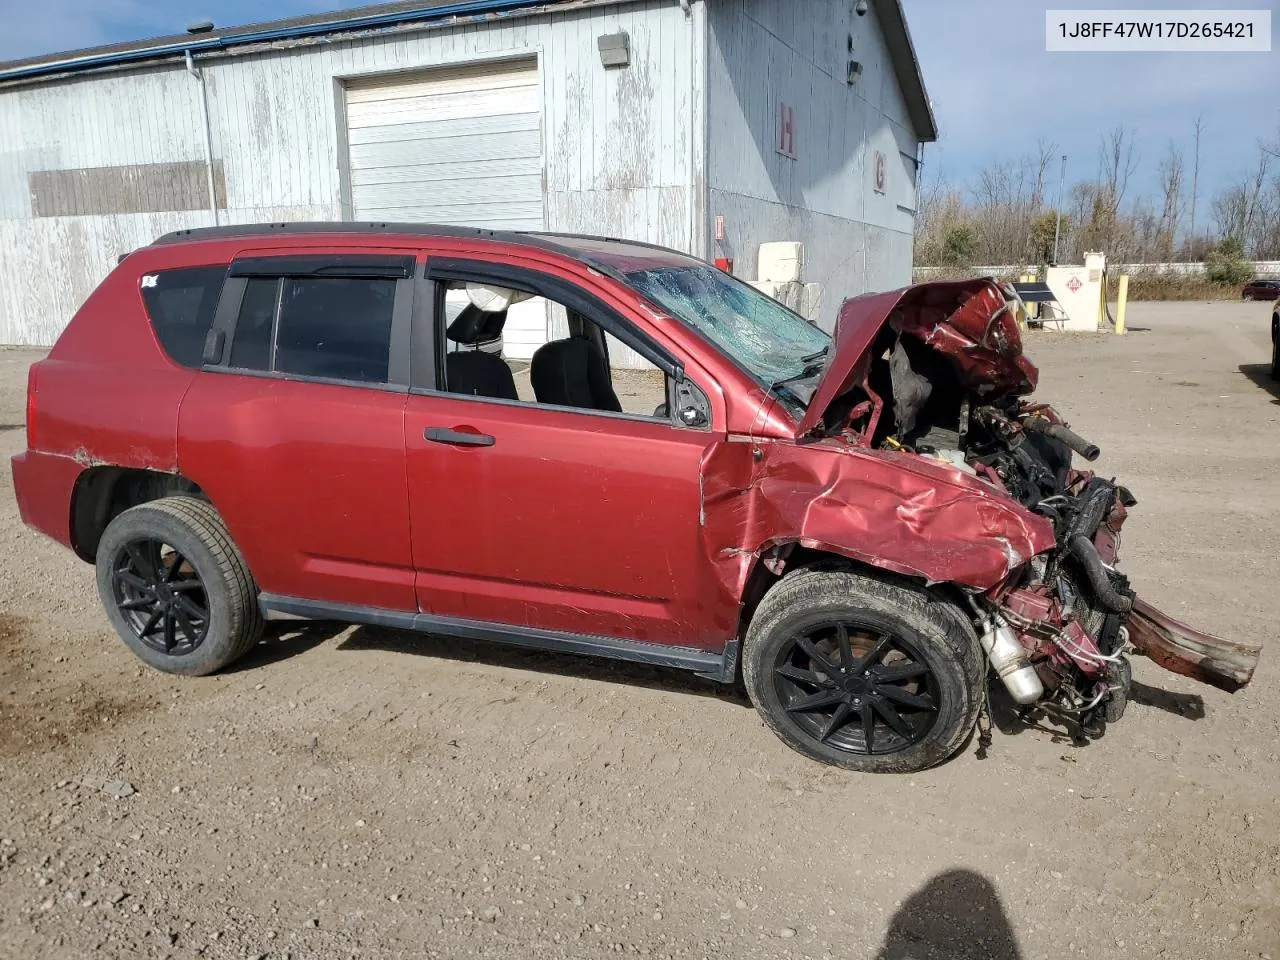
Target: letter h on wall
786 131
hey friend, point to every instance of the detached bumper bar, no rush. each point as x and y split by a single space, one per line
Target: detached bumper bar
1184 650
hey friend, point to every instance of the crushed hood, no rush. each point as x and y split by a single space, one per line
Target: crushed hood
969 321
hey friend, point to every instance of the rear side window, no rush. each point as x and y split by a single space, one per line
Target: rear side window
181 305
331 328
336 328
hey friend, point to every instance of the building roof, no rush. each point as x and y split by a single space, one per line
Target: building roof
377 16
390 15
906 65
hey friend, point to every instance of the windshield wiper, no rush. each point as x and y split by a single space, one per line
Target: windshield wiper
810 370
816 356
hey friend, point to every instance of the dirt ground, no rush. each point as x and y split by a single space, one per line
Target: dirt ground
363 793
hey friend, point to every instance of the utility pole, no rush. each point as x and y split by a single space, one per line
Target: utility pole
1057 227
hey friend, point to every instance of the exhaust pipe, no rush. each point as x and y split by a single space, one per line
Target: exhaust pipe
1010 662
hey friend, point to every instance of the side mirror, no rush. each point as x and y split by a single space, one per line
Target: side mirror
692 417
691 404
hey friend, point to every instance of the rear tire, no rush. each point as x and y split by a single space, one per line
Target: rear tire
1275 353
176 588
862 674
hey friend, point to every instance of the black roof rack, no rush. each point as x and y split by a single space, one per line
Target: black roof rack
532 238
330 226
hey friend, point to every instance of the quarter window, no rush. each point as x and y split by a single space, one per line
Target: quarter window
181 305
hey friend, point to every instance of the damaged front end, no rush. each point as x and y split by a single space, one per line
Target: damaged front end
1073 617
937 371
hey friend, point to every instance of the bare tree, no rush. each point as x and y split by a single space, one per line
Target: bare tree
1197 126
1171 175
1117 161
1002 217
1230 210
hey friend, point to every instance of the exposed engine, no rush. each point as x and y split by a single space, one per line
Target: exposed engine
1055 632
944 377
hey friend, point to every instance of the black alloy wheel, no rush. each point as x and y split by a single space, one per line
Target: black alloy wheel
176 588
160 596
856 688
876 675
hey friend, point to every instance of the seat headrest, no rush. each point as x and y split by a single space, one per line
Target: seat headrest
474 325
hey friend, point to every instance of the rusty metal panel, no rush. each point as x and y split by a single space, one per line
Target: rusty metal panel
133 188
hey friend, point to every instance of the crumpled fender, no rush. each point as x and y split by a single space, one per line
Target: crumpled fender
895 511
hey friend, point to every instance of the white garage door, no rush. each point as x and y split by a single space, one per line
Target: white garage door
460 146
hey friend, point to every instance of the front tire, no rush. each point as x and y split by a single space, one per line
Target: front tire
1275 352
862 674
176 588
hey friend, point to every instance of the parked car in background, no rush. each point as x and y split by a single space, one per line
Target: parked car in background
1261 290
1275 343
248 422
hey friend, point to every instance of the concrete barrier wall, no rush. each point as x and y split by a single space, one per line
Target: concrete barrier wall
1263 269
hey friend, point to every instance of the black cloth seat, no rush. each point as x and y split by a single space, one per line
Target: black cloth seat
473 371
573 373
479 374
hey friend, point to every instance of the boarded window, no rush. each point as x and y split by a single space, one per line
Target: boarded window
132 188
181 304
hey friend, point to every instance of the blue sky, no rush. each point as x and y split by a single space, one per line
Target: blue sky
995 90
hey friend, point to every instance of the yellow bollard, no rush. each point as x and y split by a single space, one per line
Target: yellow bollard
1122 299
1023 316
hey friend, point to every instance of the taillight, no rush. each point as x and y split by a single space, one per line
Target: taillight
32 376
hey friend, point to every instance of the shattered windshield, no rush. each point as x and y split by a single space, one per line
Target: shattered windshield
757 332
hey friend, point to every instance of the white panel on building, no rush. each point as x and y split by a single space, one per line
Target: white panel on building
459 146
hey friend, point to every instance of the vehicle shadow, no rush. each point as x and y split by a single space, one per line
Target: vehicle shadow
1011 719
282 639
541 661
1189 705
1260 374
957 915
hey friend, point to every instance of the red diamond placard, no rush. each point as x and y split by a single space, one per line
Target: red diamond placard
1074 284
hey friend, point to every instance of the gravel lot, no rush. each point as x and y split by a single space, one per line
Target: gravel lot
363 793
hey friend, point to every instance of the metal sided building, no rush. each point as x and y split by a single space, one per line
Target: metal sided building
710 126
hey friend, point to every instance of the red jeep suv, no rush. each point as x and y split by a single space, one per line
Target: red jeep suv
298 420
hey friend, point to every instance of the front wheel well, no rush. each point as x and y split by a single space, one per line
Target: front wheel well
103 493
794 557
